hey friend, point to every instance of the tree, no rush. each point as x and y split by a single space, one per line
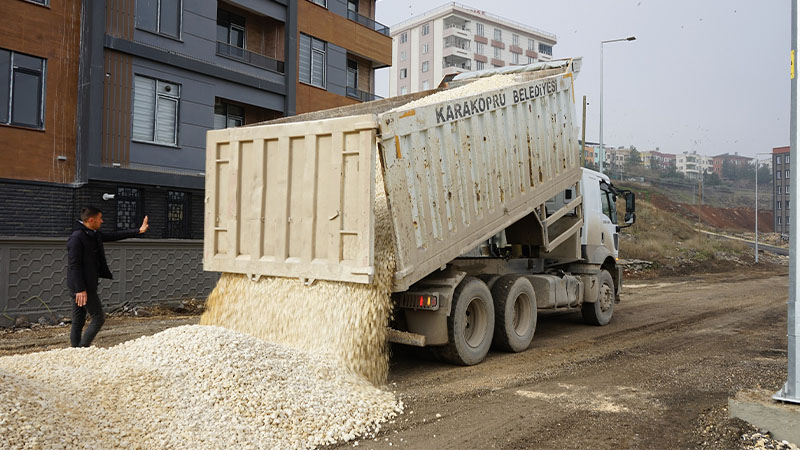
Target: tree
634 158
728 170
711 179
764 174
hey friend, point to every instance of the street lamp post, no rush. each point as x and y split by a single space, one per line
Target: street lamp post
602 151
757 164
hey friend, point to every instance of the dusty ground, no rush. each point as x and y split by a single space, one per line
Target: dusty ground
659 376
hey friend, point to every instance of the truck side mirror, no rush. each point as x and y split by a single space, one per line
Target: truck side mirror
630 208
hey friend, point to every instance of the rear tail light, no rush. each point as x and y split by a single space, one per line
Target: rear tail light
418 301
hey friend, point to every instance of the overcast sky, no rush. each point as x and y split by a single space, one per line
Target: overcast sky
710 76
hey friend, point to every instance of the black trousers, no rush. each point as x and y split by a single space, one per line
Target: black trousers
95 310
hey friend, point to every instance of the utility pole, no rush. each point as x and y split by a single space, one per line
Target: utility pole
791 390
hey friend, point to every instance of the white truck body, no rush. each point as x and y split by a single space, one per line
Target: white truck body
487 184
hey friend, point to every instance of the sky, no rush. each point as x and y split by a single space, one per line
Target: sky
710 76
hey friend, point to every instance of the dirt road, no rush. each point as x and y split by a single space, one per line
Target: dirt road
658 376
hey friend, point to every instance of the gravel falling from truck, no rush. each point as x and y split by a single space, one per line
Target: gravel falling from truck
346 321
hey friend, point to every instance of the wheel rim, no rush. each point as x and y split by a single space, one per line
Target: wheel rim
606 297
522 315
475 323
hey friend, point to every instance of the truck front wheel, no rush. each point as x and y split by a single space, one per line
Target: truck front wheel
600 312
515 306
470 324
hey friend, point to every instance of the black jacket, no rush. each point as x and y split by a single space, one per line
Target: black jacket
87 257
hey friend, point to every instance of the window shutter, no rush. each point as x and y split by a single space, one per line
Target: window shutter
166 115
305 58
144 91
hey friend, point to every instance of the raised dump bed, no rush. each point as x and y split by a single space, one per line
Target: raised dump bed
295 197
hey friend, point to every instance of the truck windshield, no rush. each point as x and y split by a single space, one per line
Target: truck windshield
609 203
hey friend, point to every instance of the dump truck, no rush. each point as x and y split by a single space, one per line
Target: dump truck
494 219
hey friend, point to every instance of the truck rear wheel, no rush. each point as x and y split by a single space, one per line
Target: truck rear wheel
515 318
470 324
600 312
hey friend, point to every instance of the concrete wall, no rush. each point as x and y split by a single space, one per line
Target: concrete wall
33 276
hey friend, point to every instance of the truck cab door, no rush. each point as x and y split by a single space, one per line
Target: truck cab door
609 237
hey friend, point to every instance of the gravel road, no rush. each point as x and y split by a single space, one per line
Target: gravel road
658 376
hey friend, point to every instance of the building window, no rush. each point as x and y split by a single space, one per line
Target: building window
531 60
155 110
424 66
403 55
352 74
778 160
22 89
778 204
129 207
426 29
424 48
787 204
479 48
779 190
479 65
160 16
515 58
546 49
404 37
426 85
786 159
515 39
531 45
323 3
231 31
779 220
496 52
312 61
479 29
403 90
41 2
787 174
352 6
178 215
778 174
227 115
498 34
403 74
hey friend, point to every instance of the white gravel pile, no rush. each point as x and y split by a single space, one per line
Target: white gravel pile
476 87
187 387
346 321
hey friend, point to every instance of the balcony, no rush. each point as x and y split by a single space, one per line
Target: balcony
362 95
456 48
456 31
367 22
248 57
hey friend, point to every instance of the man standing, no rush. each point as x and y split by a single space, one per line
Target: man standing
87 264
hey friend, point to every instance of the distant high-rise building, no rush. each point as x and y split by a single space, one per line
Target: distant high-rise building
455 38
780 204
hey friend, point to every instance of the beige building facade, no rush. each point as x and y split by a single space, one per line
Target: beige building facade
456 38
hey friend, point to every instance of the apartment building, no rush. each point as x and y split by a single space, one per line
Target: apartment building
455 38
781 157
653 159
114 98
719 161
693 165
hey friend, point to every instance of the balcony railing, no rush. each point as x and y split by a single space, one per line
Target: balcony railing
362 95
248 57
465 65
367 22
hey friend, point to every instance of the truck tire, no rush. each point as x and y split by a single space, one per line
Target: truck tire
600 312
515 313
470 324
